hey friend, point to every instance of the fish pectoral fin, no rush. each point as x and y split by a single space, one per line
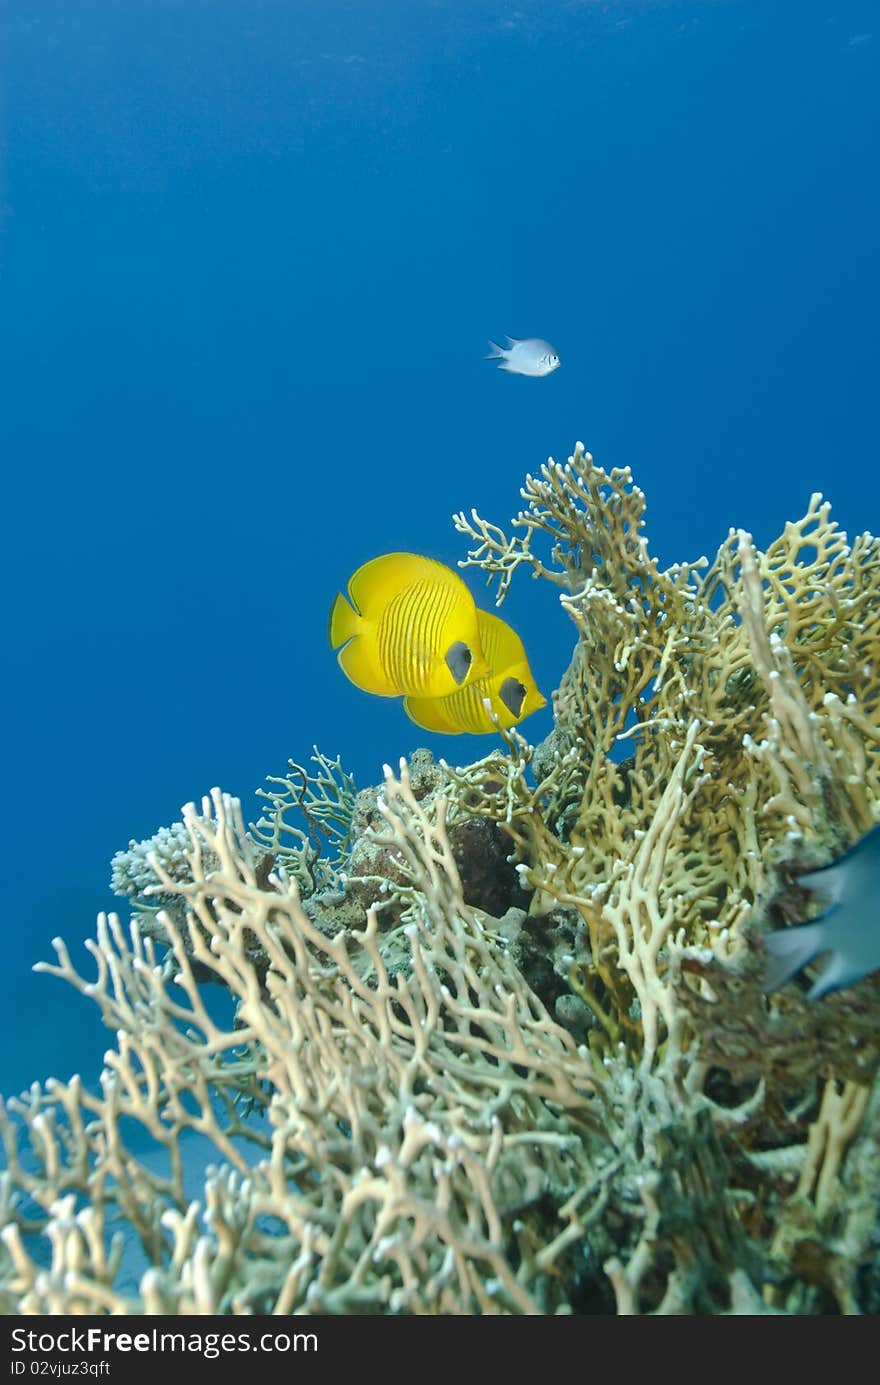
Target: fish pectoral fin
480 669
430 714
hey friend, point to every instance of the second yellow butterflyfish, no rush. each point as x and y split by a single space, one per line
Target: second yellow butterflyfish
409 626
509 689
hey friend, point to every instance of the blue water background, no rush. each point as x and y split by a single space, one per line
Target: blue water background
250 256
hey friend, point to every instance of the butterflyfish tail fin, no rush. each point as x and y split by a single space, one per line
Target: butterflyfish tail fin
344 622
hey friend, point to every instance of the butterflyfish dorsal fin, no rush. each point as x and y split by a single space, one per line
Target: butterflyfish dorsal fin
378 582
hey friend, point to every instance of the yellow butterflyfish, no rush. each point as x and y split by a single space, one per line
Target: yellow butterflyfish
509 688
411 628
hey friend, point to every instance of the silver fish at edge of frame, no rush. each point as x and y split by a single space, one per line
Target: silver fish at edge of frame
848 929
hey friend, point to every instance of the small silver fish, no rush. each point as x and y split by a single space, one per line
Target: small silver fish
526 356
849 929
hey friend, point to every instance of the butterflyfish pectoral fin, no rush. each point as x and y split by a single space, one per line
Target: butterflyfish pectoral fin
431 714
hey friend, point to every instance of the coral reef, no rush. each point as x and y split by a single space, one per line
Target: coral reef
497 1037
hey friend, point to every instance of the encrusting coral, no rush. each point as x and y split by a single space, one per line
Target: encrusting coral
498 1041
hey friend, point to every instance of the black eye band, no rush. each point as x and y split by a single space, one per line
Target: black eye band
513 695
458 660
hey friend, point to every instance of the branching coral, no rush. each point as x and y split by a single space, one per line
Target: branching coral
746 690
580 1101
315 853
416 1126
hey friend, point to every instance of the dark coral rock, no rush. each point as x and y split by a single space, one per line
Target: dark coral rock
543 947
788 1039
488 879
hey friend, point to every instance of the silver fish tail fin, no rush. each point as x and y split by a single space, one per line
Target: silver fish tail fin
790 949
839 971
497 352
